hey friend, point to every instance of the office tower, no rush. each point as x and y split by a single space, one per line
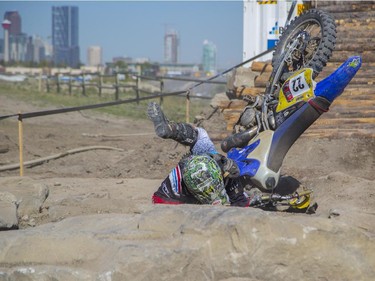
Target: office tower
35 50
15 19
171 42
94 56
209 57
65 36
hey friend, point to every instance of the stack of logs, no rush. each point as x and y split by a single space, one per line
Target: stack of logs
353 113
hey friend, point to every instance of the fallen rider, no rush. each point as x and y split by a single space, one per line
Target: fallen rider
203 176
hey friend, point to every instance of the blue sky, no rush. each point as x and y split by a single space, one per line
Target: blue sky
136 28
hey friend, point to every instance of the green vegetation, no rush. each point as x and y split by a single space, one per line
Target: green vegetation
27 91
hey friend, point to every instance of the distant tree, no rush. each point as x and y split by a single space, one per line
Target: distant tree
120 66
149 69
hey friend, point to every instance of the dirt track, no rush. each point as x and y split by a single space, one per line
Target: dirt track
326 165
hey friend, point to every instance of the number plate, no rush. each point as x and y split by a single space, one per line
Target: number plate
298 87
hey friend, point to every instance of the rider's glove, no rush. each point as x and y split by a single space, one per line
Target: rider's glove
228 166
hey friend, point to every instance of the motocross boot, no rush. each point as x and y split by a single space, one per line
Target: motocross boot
183 133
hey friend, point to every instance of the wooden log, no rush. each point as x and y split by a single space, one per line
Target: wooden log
365 64
355 15
262 80
249 91
363 19
361 28
346 7
341 56
368 113
338 133
260 66
362 40
349 103
342 121
362 73
362 80
354 46
356 91
353 34
368 56
356 97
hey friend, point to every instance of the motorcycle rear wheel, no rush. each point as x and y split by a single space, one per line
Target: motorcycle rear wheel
322 30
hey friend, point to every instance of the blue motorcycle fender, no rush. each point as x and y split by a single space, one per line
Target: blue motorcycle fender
333 85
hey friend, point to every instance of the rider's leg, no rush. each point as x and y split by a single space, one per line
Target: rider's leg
196 138
181 132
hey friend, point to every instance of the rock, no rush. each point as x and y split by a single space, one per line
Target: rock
192 243
31 222
8 211
30 193
333 213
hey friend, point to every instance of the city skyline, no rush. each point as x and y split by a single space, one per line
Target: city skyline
137 29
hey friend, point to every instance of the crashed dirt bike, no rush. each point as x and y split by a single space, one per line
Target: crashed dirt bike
292 102
291 202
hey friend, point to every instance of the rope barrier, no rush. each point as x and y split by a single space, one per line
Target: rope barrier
118 102
159 95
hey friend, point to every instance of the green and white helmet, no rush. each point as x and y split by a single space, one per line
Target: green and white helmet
204 179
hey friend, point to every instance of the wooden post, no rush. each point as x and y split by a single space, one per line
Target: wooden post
20 142
116 88
100 84
161 91
137 89
47 84
83 85
187 106
57 83
70 84
40 81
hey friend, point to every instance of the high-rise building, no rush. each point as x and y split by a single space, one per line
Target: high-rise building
94 56
35 50
65 36
171 42
209 57
18 47
16 24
